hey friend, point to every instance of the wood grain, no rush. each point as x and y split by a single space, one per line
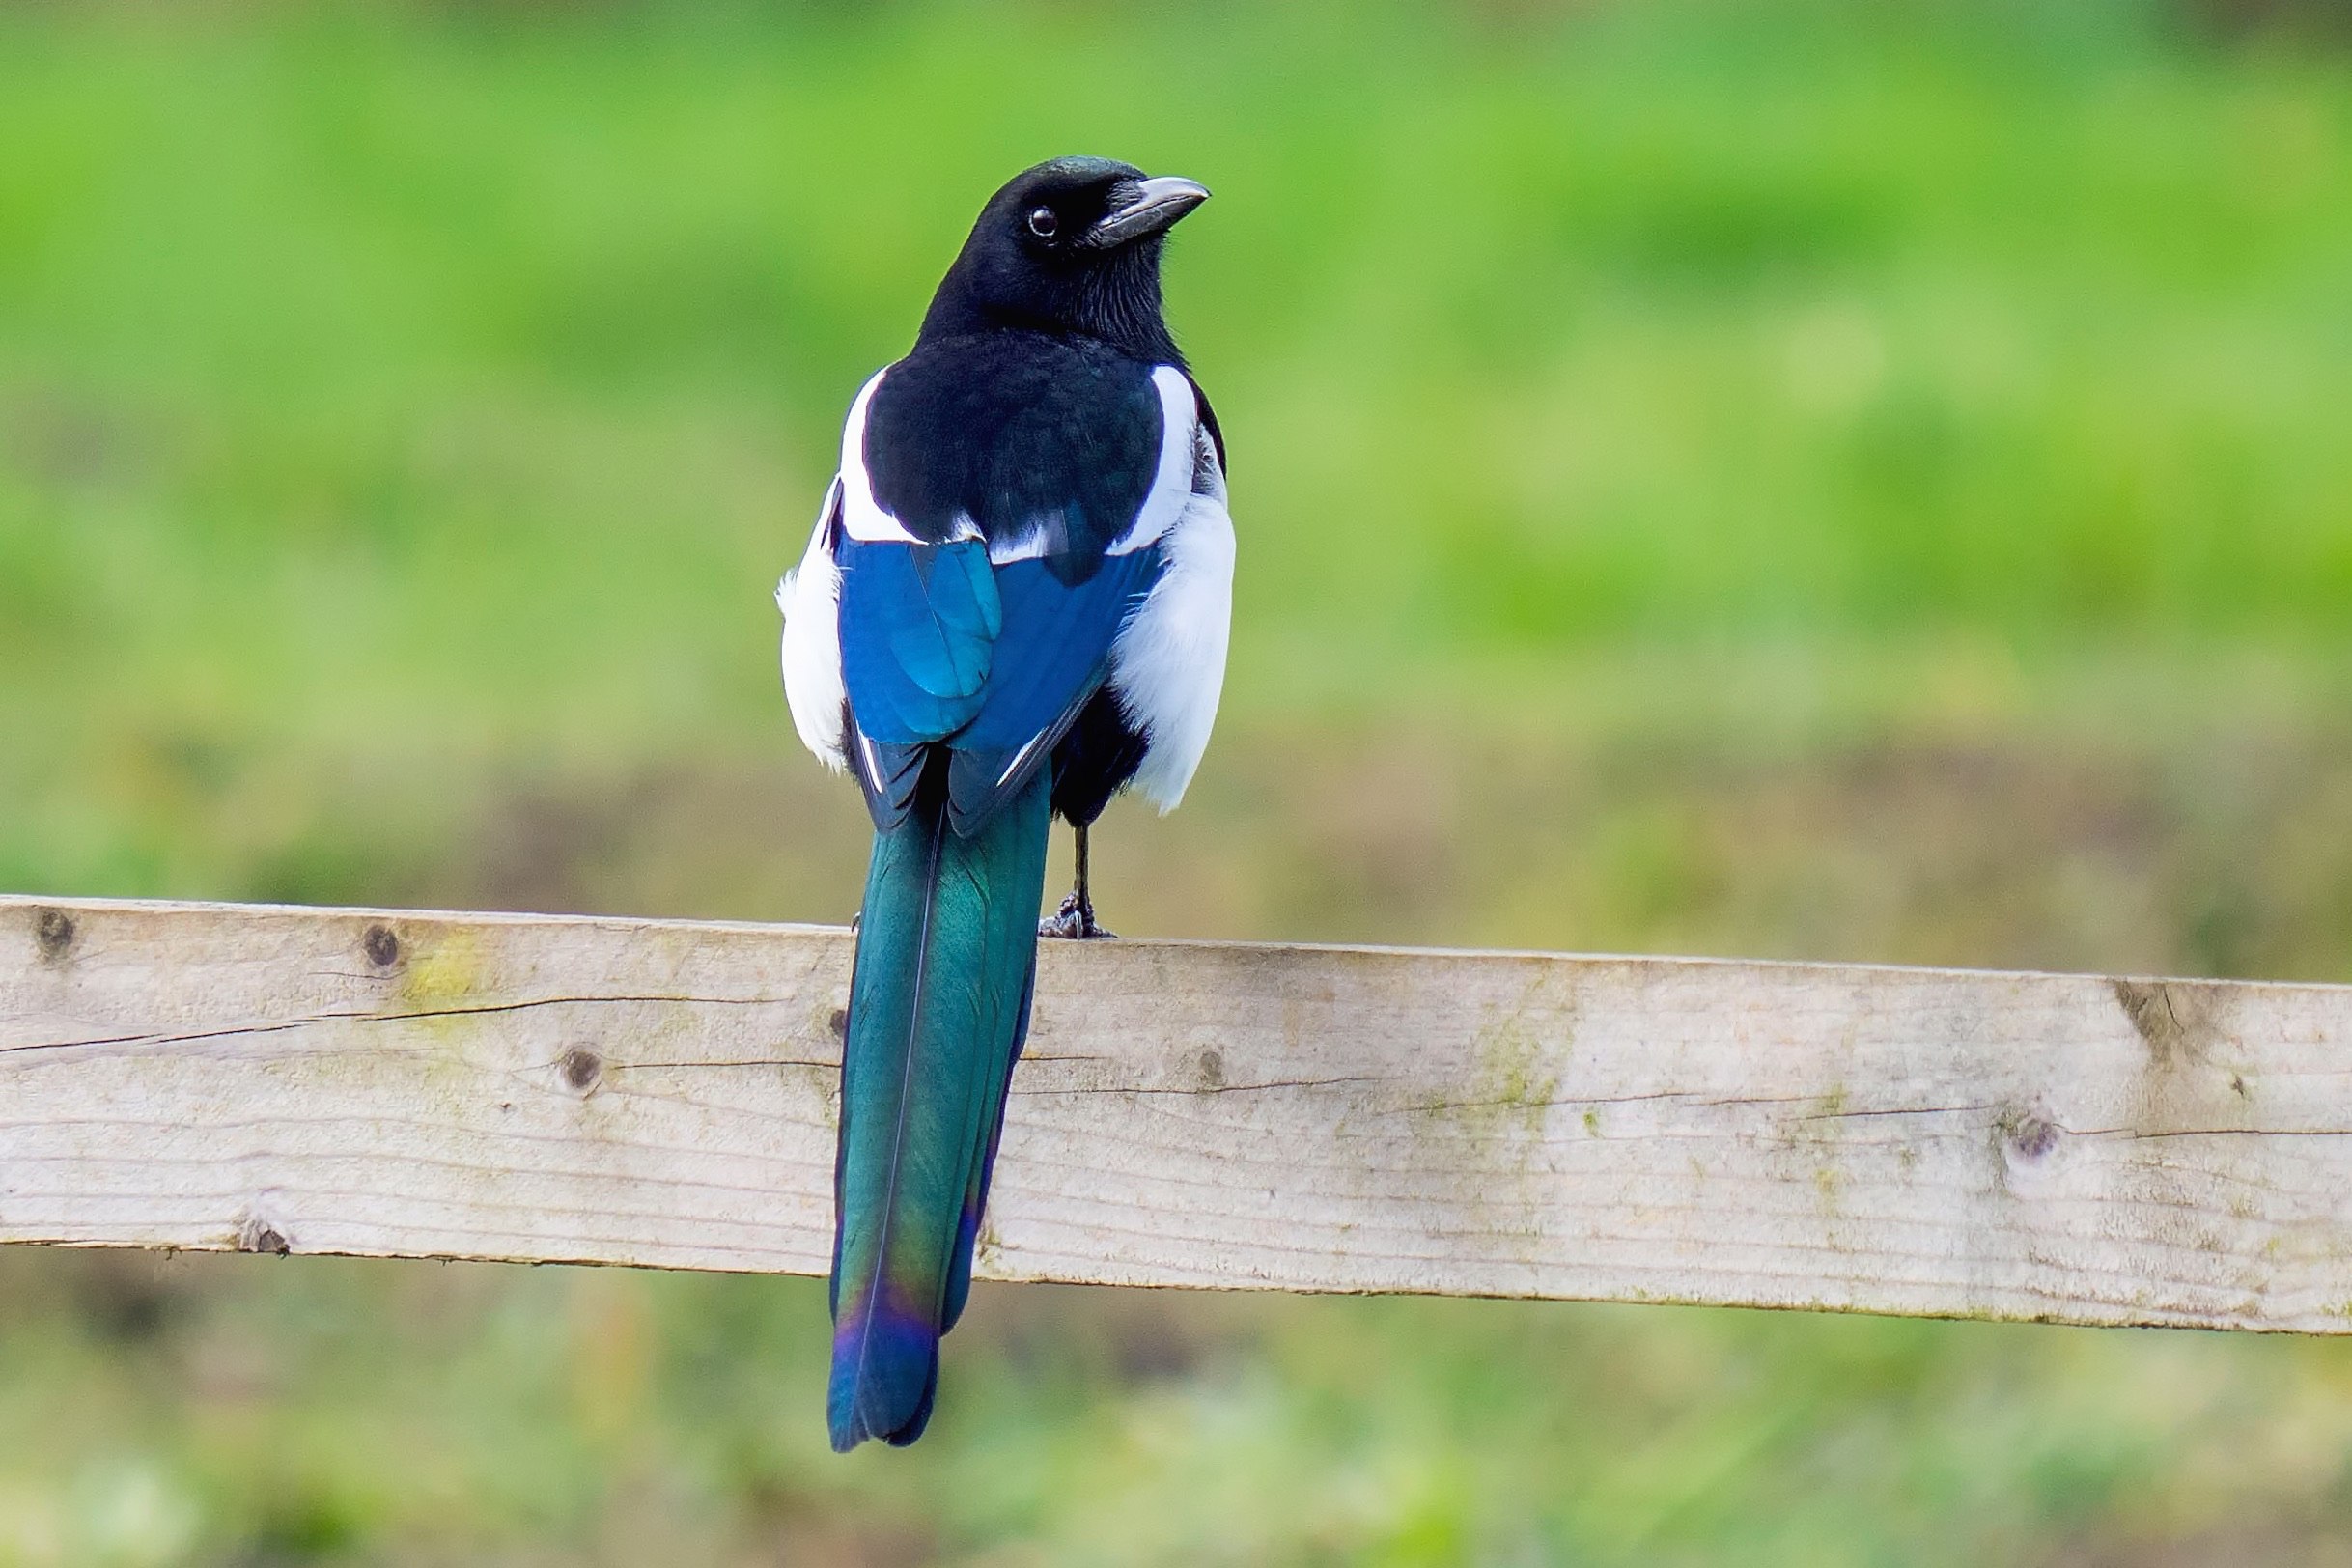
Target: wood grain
1343 1119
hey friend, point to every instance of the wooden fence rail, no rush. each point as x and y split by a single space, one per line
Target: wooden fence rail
1339 1119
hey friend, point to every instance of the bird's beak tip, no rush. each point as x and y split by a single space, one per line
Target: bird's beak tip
1153 205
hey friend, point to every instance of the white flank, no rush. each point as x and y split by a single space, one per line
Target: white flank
1168 666
810 597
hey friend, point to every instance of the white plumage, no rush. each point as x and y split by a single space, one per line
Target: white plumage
810 597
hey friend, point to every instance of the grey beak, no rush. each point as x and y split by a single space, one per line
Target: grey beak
1145 206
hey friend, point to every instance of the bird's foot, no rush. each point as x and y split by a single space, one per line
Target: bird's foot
1074 921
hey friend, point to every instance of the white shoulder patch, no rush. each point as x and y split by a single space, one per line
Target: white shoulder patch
1172 481
861 515
1168 668
810 597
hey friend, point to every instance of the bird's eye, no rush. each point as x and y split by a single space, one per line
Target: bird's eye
1043 223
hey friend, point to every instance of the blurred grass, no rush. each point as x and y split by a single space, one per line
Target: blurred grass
1774 476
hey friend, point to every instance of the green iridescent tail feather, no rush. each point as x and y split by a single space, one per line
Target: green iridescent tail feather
938 1005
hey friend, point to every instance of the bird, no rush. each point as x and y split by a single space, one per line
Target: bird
1015 604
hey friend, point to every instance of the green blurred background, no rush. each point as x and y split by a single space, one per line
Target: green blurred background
1812 478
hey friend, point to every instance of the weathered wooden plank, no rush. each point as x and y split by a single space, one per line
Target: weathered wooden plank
662 1093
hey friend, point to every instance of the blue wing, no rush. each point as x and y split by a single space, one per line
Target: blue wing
1053 657
919 624
941 650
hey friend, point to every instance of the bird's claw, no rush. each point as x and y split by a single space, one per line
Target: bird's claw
1074 921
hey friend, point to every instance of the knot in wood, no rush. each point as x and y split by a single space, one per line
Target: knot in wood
382 945
580 1068
53 931
2030 1136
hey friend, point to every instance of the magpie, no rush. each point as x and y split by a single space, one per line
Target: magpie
1014 606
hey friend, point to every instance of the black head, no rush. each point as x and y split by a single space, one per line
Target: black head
1071 246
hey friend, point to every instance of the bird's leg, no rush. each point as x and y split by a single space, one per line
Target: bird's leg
1075 919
